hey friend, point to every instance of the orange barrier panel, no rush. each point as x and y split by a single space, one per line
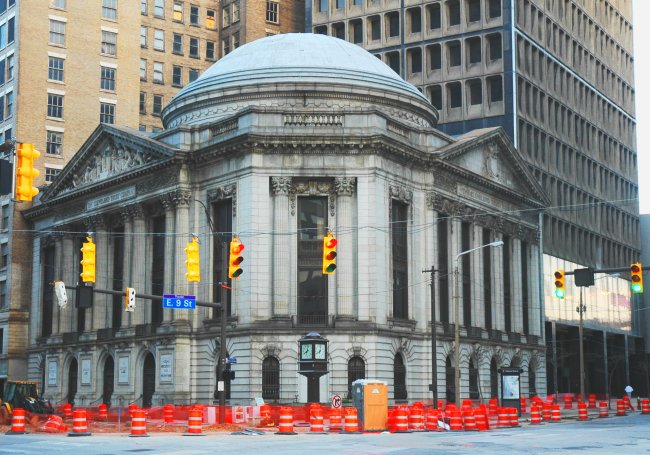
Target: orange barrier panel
645 406
582 412
286 421
168 413
522 404
481 419
535 415
265 414
431 420
138 424
416 417
455 420
17 422
621 408
316 420
79 423
103 412
603 409
556 414
336 419
195 423
53 424
568 401
67 411
351 421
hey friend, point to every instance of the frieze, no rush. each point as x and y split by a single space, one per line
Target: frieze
224 127
397 129
225 192
313 188
162 180
444 182
344 185
313 120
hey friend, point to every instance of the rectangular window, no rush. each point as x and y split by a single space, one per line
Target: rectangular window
3 71
323 6
54 105
2 300
235 12
159 8
57 33
225 15
340 4
159 40
4 256
194 47
177 76
178 11
58 4
107 113
3 36
157 104
55 69
10 67
158 73
193 75
435 95
9 104
226 46
54 143
11 33
109 42
393 24
50 174
2 108
272 13
143 103
143 7
375 28
495 8
3 295
178 44
5 218
143 69
8 135
235 40
143 36
399 240
211 19
209 50
109 9
107 78
194 15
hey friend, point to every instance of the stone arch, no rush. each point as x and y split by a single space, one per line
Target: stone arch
143 352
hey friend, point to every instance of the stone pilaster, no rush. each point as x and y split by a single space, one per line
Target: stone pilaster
181 200
127 318
70 278
170 221
59 268
345 264
534 298
281 254
498 315
139 260
516 303
96 226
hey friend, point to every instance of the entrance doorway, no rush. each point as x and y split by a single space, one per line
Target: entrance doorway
73 373
148 380
109 381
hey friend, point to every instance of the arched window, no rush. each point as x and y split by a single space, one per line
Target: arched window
473 380
494 379
271 379
356 370
450 379
532 388
399 378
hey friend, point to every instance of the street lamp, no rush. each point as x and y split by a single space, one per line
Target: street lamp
456 319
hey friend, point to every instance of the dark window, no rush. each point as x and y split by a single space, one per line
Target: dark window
193 74
443 266
453 12
454 95
177 47
158 262
55 70
507 302
143 103
356 31
107 113
466 274
399 240
415 18
2 341
453 51
435 95
434 16
194 15
435 57
356 370
194 47
321 30
393 61
209 50
494 378
338 30
48 299
322 6
54 105
415 59
450 380
73 376
392 20
473 10
118 277
375 28
107 81
473 380
524 286
271 379
495 8
495 89
494 47
475 91
532 383
399 378
487 279
54 142
312 285
177 76
474 50
157 104
222 215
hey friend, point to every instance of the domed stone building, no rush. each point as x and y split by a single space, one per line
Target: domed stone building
281 141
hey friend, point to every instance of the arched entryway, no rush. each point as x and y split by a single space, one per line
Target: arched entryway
73 374
494 379
399 378
474 392
450 379
148 380
109 380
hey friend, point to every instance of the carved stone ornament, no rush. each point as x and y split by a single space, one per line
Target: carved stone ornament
313 188
344 185
225 192
491 165
95 222
179 197
401 194
281 185
112 160
270 350
444 182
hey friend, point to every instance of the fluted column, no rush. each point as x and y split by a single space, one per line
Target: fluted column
345 276
139 262
181 200
127 318
498 310
58 271
103 302
516 300
70 278
281 253
534 302
168 315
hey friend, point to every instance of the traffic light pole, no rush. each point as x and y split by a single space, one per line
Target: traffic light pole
222 342
147 296
581 310
434 339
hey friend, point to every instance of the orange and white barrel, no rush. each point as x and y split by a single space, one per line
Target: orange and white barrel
285 426
455 420
535 415
546 411
416 417
522 404
431 419
592 400
645 406
316 420
336 419
103 412
568 401
138 423
514 417
17 422
401 420
79 423
168 413
603 409
469 421
194 423
504 418
582 412
481 418
556 414
67 411
351 422
621 408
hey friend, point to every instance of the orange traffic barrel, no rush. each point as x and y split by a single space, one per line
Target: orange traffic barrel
168 413
481 419
17 422
132 407
285 425
431 419
535 415
568 401
79 423
592 400
103 412
416 417
455 420
645 406
336 419
194 423
469 421
138 424
316 420
514 417
582 412
53 424
522 404
603 409
265 412
546 411
351 421
556 414
621 408
400 420
67 411
504 418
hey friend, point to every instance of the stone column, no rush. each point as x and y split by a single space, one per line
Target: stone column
345 269
58 275
534 302
281 251
127 272
498 318
93 224
102 302
181 200
477 278
70 278
516 303
168 315
138 258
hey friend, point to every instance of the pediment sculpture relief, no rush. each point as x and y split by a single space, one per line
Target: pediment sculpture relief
112 160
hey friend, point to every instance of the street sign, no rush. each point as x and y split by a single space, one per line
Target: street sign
179 302
336 401
230 360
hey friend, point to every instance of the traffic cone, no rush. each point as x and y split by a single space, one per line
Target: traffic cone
79 423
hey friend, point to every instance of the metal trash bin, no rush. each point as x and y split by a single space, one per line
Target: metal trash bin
370 397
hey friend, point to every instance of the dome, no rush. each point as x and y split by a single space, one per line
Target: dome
302 59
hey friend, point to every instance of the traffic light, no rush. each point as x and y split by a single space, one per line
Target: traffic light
129 301
25 172
559 284
235 260
193 261
637 278
329 254
88 261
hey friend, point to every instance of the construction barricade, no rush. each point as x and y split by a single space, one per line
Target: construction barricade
455 420
522 404
592 401
621 408
400 420
103 412
546 411
556 413
168 413
79 423
504 418
285 426
351 421
535 415
514 417
568 401
603 409
645 406
17 422
67 410
316 421
416 417
138 423
194 423
336 419
431 420
480 416
582 412
54 424
469 421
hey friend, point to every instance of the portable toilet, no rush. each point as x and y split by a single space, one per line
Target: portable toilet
370 397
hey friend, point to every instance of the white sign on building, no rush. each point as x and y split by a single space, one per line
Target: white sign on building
123 370
166 368
51 372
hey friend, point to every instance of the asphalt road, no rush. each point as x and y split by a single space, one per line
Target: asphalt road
613 435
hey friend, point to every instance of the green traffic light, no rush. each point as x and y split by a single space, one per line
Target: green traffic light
637 288
559 293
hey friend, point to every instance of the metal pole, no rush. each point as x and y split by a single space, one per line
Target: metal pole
582 353
457 336
434 339
222 342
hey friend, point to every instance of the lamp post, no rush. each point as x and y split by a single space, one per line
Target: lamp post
456 318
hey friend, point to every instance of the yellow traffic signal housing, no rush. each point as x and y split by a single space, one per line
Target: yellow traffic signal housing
129 300
559 284
192 261
25 172
329 254
235 259
88 261
637 278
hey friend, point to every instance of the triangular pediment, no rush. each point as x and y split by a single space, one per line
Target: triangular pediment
109 154
488 156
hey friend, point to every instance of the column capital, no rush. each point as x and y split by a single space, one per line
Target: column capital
95 222
281 185
176 198
344 186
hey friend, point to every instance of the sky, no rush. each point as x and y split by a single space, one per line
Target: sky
642 97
